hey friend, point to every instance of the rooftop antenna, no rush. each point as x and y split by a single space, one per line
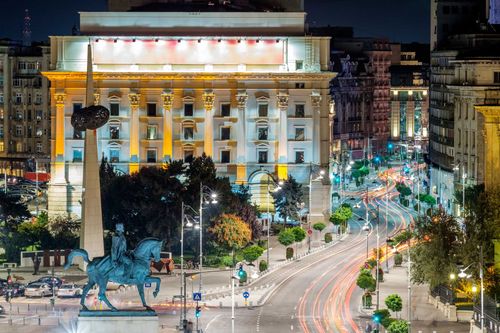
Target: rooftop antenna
27 28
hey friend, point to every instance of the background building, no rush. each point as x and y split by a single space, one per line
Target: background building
24 106
409 99
252 92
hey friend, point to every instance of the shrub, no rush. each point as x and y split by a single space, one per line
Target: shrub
365 281
252 253
286 237
398 326
289 252
319 226
398 259
371 263
227 261
276 228
299 234
328 237
262 265
394 302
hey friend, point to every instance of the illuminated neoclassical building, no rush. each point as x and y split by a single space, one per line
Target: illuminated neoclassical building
247 88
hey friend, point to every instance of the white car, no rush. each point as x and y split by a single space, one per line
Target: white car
37 290
69 290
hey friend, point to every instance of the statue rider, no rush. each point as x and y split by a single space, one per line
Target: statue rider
119 255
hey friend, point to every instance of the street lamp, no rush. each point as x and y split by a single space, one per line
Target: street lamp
277 188
320 176
207 196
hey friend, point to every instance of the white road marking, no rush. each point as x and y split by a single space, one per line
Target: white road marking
211 321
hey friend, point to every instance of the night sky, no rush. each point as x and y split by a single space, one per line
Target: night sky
398 20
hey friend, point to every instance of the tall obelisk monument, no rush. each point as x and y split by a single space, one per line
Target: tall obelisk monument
91 233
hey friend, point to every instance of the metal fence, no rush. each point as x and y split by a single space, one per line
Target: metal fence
446 295
491 315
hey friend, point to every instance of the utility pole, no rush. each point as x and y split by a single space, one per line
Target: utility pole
409 280
201 232
386 223
378 264
482 287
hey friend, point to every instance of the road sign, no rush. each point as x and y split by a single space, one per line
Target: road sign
147 284
309 232
246 294
197 297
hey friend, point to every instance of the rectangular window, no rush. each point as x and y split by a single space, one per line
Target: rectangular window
19 130
2 147
263 110
262 156
38 99
39 147
38 115
188 133
1 98
151 156
19 98
1 131
188 110
114 132
496 77
262 132
300 111
114 155
152 132
225 133
225 156
77 154
300 134
300 85
39 132
114 109
19 115
225 110
299 157
151 109
299 65
188 155
19 147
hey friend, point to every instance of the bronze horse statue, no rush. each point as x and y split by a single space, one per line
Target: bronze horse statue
102 269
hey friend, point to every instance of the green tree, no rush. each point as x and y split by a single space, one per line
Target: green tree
394 303
252 253
436 253
319 226
12 215
366 281
289 199
230 232
341 216
398 326
298 233
286 237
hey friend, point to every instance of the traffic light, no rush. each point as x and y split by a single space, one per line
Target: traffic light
241 272
390 145
377 159
198 312
377 317
337 179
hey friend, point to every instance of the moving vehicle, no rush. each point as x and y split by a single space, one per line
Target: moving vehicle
53 281
38 289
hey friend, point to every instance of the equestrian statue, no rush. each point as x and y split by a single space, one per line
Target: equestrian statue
121 266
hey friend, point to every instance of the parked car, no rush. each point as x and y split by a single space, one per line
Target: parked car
17 289
38 289
115 286
69 290
52 281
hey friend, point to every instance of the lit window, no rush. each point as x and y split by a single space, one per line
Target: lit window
152 132
19 147
225 156
77 154
262 156
263 110
114 155
299 111
38 115
188 133
151 109
225 133
151 156
262 132
114 109
299 157
39 132
188 110
225 110
299 65
2 147
39 147
299 134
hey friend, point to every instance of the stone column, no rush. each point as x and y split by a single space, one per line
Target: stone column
134 99
58 171
208 104
490 158
168 149
241 173
316 138
283 135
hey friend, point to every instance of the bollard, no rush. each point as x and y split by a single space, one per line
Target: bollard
45 307
36 310
39 321
28 307
24 320
18 309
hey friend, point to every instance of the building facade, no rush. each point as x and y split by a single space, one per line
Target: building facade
409 101
24 106
254 99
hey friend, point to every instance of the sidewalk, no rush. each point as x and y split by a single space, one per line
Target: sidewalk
425 317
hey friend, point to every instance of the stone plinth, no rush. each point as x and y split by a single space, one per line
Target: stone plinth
117 322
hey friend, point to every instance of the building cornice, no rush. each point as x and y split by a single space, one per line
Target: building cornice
63 75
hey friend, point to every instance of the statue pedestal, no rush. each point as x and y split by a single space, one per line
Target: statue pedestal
117 322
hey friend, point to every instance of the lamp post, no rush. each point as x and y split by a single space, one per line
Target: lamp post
319 177
386 224
464 176
209 196
276 189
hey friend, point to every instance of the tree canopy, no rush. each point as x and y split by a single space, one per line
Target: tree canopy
231 232
289 199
